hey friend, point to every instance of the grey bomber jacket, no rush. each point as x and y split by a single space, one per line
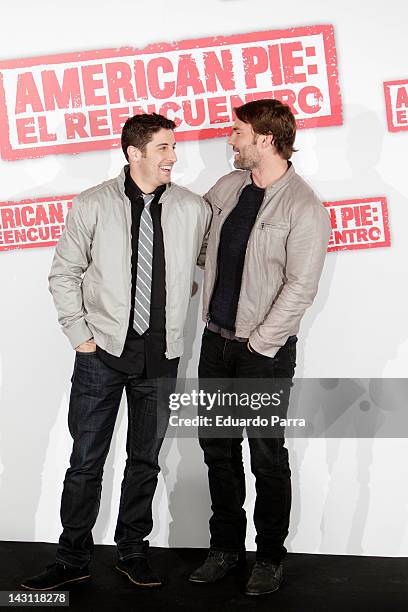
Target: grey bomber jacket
283 261
90 277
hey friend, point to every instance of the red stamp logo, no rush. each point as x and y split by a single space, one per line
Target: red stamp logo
32 223
80 101
358 224
396 104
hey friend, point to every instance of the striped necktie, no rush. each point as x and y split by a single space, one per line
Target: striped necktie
144 268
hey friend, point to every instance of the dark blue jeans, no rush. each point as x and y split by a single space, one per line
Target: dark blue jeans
221 358
95 397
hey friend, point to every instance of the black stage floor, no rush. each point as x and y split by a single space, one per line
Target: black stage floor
312 582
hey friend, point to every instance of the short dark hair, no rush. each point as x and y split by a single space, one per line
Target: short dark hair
271 117
139 129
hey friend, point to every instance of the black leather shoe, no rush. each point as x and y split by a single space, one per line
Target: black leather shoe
265 578
138 570
217 565
56 575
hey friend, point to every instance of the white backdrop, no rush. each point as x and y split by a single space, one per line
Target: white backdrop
349 496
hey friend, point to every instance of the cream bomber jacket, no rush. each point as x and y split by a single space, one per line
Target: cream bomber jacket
283 261
90 277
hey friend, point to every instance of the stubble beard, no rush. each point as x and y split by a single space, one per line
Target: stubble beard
246 161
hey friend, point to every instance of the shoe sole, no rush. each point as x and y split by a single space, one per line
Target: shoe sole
251 594
55 586
148 585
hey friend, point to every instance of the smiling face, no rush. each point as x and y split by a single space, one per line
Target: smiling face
152 167
244 143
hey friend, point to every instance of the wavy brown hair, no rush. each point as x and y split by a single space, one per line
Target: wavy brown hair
271 117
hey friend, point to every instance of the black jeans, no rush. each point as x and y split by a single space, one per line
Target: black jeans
95 397
221 358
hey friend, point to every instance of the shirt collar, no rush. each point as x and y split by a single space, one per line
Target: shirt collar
133 191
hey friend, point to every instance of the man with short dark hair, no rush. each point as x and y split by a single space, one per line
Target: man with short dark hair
121 280
265 254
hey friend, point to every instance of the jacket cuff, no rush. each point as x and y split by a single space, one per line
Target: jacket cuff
78 333
261 347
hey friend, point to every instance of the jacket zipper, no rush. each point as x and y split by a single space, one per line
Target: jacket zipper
219 211
128 211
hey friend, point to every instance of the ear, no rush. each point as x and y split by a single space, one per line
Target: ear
267 141
134 154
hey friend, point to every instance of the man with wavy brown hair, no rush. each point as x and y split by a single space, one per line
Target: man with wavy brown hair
265 254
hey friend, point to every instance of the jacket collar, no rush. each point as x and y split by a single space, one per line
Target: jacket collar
284 180
289 174
121 179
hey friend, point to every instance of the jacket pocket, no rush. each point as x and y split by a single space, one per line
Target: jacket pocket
271 242
278 228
